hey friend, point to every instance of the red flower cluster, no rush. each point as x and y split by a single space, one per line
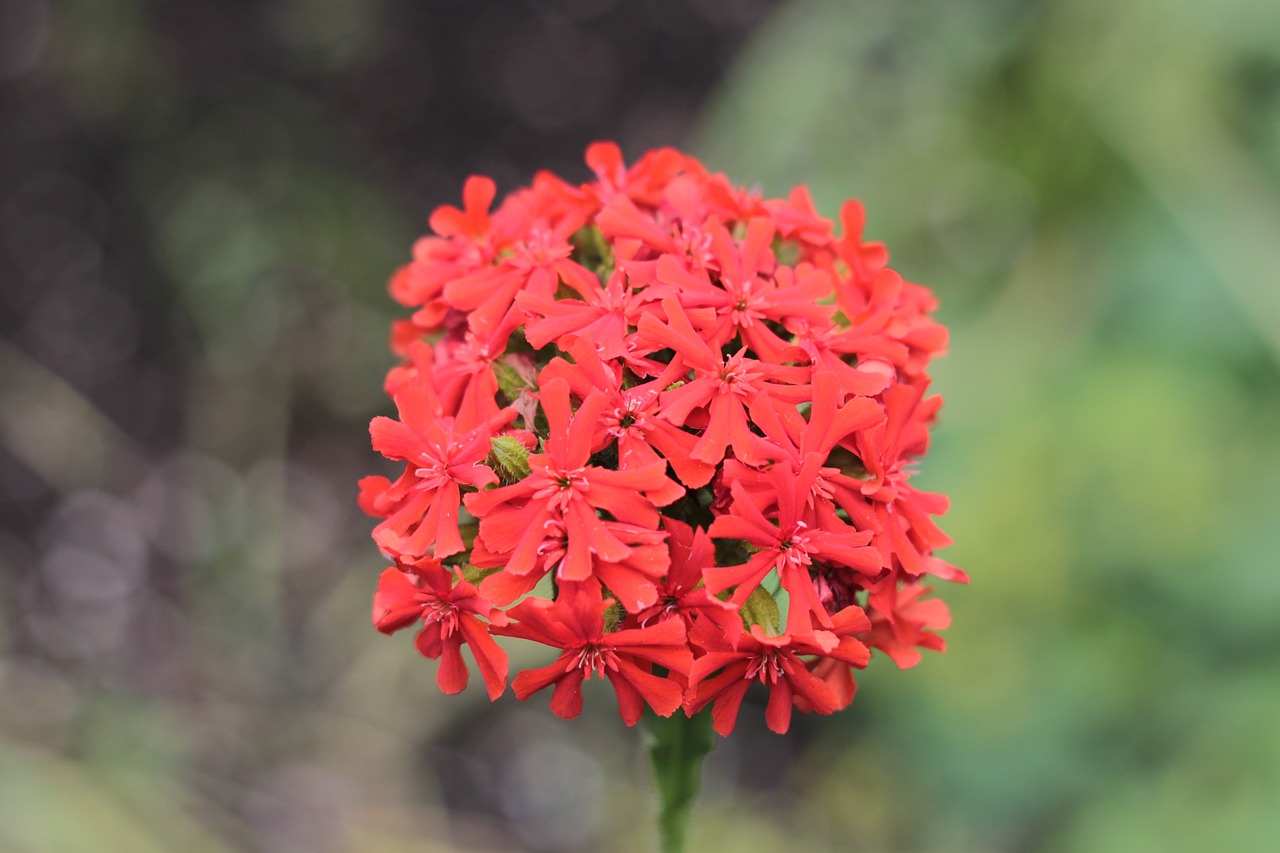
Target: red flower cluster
666 426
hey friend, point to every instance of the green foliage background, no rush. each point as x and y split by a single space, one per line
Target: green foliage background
1093 191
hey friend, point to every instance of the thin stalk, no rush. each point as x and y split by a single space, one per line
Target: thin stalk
677 746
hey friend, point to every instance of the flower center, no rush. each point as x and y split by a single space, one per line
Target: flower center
794 549
625 417
766 666
822 487
744 311
694 244
433 473
561 486
539 250
575 479
439 610
594 660
474 353
736 377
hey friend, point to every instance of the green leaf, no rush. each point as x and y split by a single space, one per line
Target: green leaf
509 459
678 746
760 608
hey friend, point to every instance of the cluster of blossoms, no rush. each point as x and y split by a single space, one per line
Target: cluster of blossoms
666 426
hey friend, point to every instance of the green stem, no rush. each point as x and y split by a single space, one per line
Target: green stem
676 748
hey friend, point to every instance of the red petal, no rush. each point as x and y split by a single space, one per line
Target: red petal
490 658
746 576
724 713
447 539
635 591
393 439
554 397
630 702
395 604
778 712
452 675
816 692
531 681
662 694
504 587
566 702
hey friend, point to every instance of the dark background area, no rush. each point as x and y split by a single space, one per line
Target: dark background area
110 109
201 203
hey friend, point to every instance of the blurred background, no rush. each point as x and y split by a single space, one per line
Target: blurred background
200 205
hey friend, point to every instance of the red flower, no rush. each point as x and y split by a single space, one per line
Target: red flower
602 317
644 181
426 497
563 489
464 245
797 219
576 624
863 259
791 547
683 593
901 619
722 387
631 416
471 223
807 446
537 265
463 372
633 579
750 291
773 661
835 666
906 534
450 610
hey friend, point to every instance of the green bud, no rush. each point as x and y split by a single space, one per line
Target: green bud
510 382
509 459
613 615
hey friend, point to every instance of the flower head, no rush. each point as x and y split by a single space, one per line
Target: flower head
667 427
